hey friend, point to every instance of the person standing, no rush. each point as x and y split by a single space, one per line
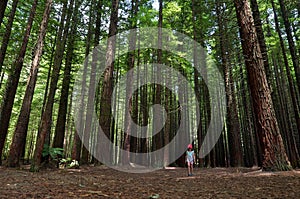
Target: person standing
190 159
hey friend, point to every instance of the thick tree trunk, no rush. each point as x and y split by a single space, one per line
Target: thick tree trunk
233 126
107 89
235 145
273 150
46 122
19 138
13 81
60 127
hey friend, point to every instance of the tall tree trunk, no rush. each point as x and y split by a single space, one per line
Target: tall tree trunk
70 128
47 83
274 155
77 143
7 33
129 82
13 81
143 109
284 112
253 148
167 127
287 68
195 13
134 140
158 89
57 40
261 38
107 89
60 127
46 122
19 138
88 119
3 4
233 127
235 145
291 43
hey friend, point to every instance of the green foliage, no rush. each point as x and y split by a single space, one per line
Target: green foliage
52 152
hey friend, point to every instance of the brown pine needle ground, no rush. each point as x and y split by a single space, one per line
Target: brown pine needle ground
102 182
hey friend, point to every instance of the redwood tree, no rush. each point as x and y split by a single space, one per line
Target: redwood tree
19 138
13 81
44 131
157 141
274 155
130 63
107 89
91 87
291 85
60 127
76 150
233 126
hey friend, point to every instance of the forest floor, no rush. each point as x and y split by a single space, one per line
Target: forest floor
103 182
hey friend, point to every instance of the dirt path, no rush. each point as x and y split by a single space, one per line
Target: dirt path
102 182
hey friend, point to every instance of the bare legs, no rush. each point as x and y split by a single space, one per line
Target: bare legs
190 168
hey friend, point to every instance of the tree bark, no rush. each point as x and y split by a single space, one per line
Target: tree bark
13 81
130 64
288 72
157 144
60 127
274 155
76 150
261 38
92 88
195 13
107 89
46 122
19 138
284 113
143 109
233 127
